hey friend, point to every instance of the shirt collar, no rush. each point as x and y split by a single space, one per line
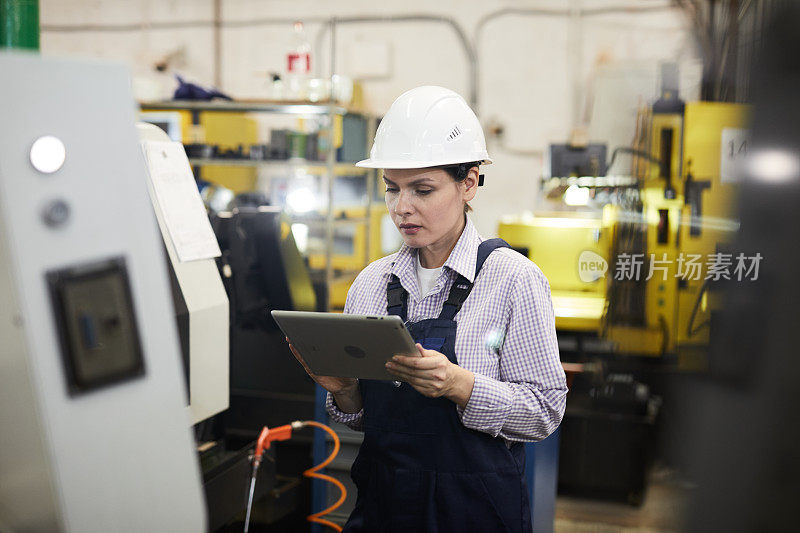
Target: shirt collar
462 259
464 256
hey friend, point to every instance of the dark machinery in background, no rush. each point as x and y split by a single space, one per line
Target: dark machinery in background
607 437
742 445
262 270
568 160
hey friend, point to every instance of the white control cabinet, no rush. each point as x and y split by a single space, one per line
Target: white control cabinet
94 433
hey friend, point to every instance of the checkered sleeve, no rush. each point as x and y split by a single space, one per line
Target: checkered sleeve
528 401
352 420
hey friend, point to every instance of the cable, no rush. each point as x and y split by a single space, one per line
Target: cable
690 329
313 473
265 439
632 151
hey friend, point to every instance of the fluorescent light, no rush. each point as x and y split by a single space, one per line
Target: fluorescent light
575 195
301 200
220 199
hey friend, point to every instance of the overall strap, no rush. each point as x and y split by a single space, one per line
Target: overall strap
461 286
487 247
396 298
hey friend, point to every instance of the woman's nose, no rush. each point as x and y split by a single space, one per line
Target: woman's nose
403 204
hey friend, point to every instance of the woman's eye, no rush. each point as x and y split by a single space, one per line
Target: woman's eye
424 191
389 189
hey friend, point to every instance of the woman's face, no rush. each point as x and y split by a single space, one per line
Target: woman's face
427 204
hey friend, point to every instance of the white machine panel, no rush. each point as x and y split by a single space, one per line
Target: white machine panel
95 435
198 278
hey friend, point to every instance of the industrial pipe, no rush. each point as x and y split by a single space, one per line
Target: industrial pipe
19 24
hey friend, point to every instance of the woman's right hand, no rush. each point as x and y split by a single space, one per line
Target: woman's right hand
334 385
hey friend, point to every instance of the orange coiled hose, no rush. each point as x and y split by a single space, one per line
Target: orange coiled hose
314 473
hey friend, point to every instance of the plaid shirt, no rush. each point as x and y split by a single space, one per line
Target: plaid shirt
506 335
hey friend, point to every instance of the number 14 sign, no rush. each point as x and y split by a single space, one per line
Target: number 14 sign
733 152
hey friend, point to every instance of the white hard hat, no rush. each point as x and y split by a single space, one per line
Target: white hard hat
427 127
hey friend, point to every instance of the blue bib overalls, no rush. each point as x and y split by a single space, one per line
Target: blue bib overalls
419 468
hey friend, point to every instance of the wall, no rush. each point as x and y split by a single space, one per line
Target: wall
538 74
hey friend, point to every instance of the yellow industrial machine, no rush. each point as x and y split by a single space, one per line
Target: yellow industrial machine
228 131
355 245
651 245
555 241
351 251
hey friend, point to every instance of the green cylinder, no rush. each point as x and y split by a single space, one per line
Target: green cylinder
19 24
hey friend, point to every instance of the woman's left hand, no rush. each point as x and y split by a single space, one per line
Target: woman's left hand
433 375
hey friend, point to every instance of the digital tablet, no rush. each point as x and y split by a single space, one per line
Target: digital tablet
351 346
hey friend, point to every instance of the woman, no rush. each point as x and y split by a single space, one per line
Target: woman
442 446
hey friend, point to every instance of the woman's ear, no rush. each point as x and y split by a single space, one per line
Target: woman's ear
471 184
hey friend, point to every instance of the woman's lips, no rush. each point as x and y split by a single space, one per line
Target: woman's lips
409 229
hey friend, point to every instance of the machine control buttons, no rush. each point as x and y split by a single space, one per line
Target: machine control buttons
56 213
48 154
96 325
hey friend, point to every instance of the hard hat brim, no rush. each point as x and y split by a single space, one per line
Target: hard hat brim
399 163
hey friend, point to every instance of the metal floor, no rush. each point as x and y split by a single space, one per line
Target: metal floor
661 511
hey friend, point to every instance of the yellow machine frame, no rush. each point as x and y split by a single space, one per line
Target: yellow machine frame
555 240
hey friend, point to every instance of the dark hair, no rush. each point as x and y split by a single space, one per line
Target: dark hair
459 172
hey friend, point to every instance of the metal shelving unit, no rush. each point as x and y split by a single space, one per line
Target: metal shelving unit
311 167
329 168
251 106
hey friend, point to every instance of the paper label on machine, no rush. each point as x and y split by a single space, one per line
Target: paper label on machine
177 194
733 150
